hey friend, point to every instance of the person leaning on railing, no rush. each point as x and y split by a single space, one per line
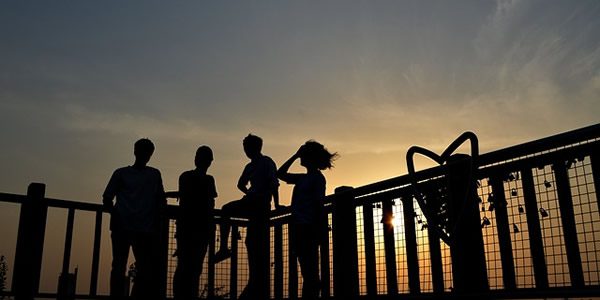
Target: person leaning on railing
259 184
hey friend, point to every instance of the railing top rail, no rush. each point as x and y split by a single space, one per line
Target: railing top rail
540 145
74 205
12 198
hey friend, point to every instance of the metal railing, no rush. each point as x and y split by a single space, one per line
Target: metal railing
539 215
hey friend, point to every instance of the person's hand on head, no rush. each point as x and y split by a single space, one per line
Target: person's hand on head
299 152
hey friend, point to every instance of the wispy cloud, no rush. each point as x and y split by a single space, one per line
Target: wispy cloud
369 81
529 41
79 118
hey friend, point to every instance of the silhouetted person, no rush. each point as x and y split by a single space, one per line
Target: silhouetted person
134 222
195 224
309 220
259 184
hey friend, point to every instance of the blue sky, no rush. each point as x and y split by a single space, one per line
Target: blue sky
80 81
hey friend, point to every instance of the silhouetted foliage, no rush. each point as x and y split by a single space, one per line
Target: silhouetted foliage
132 272
219 293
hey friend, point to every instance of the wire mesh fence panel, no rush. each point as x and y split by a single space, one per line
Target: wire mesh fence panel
517 222
447 266
379 250
551 224
360 241
171 259
330 242
490 235
423 252
400 240
587 218
222 271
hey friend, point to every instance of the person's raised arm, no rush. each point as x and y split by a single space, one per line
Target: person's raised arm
283 172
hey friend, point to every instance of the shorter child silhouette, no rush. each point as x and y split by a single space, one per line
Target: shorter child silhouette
309 221
195 224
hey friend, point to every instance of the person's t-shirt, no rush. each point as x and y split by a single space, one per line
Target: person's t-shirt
140 195
307 198
261 172
197 193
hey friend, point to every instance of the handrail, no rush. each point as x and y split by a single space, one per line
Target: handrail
12 198
540 145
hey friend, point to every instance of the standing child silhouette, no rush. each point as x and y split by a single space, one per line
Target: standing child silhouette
308 216
195 224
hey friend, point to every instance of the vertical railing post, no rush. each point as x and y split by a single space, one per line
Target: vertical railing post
345 255
502 225
66 282
278 261
163 255
469 272
565 200
292 264
30 243
412 258
536 244
370 258
435 253
96 254
233 267
211 267
259 254
325 271
390 247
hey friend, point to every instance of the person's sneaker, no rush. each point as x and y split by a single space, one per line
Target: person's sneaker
222 255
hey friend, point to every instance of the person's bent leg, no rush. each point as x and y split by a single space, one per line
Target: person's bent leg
225 227
236 208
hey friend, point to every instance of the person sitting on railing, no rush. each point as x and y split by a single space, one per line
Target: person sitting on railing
260 175
195 224
134 222
309 221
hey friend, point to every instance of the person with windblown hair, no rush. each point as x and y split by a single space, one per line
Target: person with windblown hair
309 220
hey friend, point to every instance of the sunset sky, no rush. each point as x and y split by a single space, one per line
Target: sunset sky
80 81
